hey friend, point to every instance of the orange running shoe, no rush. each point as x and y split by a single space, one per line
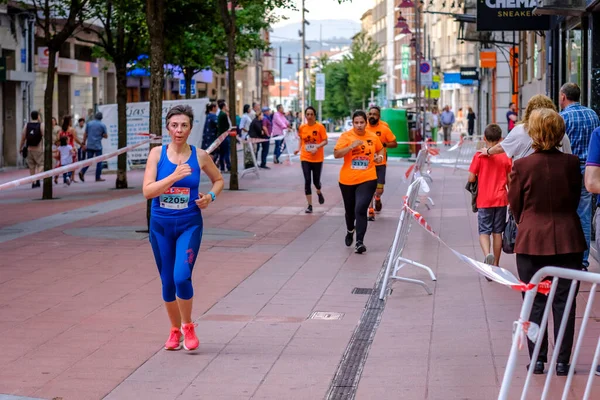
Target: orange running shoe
371 214
190 340
175 339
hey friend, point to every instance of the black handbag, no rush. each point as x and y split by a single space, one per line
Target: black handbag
24 152
509 237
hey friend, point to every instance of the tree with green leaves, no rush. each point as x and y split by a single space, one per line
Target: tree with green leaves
57 21
364 67
247 18
120 38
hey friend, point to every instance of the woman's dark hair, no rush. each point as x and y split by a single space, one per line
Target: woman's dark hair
209 107
310 108
66 123
359 113
181 110
246 108
221 103
63 140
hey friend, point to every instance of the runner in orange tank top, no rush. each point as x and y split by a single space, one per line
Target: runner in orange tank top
358 177
388 140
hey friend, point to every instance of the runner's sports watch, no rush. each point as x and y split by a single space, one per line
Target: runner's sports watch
212 195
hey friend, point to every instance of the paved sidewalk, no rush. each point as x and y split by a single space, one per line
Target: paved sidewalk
84 299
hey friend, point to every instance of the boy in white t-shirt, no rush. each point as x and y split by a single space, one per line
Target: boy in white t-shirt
65 155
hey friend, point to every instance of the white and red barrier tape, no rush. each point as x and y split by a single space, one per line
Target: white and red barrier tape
497 274
77 165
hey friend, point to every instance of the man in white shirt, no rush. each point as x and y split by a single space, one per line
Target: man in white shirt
245 121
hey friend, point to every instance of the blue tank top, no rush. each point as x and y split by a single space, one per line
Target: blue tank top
180 199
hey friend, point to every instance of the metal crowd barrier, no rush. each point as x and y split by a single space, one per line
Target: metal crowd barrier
466 150
400 239
421 169
522 326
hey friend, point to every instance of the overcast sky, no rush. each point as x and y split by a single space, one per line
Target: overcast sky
327 9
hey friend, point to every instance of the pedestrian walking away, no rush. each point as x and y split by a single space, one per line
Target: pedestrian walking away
358 176
388 139
259 131
209 133
544 192
172 180
224 125
517 144
511 116
65 154
73 140
95 131
580 122
471 122
32 146
491 175
313 138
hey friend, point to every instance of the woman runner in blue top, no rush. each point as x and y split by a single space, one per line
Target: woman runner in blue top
171 180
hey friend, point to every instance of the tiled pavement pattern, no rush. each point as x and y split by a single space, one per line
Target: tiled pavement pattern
82 317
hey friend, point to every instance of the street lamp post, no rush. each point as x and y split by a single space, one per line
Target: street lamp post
280 76
303 105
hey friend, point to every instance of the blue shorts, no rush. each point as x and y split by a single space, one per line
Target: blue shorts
491 220
175 243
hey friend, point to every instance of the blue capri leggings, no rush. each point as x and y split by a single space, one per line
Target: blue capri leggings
175 243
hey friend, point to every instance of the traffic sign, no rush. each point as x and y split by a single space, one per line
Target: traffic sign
182 87
426 73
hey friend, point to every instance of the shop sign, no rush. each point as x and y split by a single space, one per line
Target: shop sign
182 90
405 57
469 73
487 59
510 15
68 66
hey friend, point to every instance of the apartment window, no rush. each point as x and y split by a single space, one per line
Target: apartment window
83 53
65 50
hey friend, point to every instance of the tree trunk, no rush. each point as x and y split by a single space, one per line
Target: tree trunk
121 69
48 95
233 178
155 18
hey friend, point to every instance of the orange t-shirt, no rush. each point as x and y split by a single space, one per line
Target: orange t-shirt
358 165
310 136
383 131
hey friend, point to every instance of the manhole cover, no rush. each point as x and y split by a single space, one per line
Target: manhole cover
326 315
360 290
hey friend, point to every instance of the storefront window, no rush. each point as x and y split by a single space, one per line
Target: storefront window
574 56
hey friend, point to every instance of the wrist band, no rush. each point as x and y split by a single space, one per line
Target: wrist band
488 151
214 196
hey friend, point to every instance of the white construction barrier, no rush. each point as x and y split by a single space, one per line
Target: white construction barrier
523 329
395 259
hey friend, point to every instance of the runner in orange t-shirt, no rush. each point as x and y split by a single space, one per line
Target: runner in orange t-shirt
358 176
313 137
388 139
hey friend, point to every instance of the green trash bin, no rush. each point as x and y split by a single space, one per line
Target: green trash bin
398 122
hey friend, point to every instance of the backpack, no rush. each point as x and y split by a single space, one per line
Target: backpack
34 134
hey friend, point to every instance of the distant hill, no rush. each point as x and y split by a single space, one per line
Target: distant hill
325 28
336 34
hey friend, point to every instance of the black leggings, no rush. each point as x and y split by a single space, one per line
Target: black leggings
356 202
316 168
528 265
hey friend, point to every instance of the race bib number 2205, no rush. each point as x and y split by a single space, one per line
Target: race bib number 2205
175 198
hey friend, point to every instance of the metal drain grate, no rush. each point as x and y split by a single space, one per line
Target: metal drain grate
360 290
346 379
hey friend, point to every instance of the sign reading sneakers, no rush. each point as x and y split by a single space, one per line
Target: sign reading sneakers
510 15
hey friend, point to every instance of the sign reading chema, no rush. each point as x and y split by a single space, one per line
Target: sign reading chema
510 15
